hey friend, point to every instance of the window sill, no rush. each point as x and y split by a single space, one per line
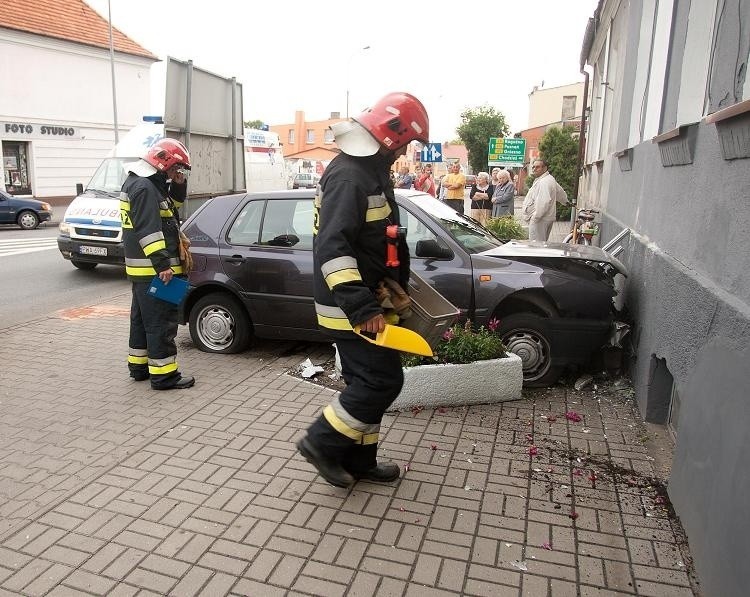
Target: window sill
733 127
677 147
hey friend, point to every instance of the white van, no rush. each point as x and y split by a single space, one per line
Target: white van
265 169
90 232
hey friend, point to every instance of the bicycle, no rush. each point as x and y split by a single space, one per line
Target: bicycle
584 228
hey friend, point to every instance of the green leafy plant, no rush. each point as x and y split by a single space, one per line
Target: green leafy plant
463 344
477 126
559 148
506 228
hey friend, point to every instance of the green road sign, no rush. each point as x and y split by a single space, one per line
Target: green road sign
506 152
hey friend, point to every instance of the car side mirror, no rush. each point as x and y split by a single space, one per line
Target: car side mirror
431 249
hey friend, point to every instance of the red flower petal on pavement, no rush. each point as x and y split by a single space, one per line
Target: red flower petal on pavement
441 409
529 437
433 447
573 514
402 509
547 546
577 472
533 451
572 415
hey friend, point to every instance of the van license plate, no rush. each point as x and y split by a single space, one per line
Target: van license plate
93 250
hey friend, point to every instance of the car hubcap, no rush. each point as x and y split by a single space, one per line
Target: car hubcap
533 350
216 327
28 220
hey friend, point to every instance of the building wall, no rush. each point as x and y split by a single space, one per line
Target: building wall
657 166
64 84
318 148
546 105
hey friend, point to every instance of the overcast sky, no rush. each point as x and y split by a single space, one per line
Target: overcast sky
303 55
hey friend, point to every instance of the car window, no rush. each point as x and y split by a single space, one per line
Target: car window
246 227
288 223
416 230
467 232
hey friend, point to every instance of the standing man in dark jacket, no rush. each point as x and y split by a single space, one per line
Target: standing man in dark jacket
354 208
151 236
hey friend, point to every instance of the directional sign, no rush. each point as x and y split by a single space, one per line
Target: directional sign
431 152
506 152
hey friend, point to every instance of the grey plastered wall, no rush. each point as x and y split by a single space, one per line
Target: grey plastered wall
689 294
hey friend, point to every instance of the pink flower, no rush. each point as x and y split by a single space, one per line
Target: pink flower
493 324
572 415
448 334
533 451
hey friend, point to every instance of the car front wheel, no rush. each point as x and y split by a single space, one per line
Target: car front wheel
525 335
28 220
219 323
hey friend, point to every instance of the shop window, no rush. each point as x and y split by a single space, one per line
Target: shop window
16 167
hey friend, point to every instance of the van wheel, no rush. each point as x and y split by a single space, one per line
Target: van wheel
83 264
220 324
526 335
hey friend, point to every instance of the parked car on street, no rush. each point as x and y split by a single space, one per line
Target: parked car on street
25 212
305 180
254 269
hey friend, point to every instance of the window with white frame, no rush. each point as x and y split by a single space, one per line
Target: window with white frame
328 136
291 136
310 138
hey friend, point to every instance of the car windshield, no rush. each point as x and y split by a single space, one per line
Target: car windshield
467 232
109 176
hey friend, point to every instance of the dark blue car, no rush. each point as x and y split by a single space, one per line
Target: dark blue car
27 213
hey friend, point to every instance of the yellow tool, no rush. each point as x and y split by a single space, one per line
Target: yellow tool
398 338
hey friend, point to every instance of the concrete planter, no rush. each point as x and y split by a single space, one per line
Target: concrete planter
481 382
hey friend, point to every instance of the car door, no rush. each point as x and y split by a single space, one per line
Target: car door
267 253
452 277
7 213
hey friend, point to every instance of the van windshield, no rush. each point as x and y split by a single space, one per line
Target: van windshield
109 176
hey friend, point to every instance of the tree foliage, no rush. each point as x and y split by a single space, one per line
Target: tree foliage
477 126
253 124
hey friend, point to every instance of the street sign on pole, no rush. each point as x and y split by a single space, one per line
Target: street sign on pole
509 152
432 152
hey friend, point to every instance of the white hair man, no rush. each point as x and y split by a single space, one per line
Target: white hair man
539 206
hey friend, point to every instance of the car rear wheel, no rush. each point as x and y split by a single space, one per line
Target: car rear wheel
83 264
28 220
525 335
219 323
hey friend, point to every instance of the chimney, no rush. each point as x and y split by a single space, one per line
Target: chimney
335 115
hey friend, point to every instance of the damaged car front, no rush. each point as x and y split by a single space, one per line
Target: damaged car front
551 303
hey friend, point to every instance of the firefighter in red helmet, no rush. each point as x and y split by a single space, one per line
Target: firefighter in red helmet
151 239
354 206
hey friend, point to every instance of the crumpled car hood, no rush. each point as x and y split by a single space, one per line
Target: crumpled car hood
526 248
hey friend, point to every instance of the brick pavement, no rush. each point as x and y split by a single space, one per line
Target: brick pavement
109 488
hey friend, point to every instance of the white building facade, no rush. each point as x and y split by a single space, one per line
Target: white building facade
56 109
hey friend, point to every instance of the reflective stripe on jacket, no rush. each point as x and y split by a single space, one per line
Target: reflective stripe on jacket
150 231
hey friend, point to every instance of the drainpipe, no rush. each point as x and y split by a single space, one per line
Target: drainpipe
588 41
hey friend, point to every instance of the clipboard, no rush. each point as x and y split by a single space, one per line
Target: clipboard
173 292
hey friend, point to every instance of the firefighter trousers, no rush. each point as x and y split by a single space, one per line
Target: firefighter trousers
348 430
153 328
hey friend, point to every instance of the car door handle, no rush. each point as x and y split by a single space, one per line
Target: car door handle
235 259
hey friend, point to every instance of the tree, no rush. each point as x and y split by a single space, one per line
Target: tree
559 149
476 128
253 124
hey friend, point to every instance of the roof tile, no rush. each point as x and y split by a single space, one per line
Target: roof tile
71 20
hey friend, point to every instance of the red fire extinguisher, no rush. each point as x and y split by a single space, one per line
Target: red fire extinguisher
392 234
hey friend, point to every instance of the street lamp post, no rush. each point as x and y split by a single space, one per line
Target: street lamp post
348 73
112 67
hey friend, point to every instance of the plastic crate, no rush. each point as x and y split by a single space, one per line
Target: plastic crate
432 313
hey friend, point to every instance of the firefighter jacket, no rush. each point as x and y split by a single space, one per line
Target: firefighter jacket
353 206
150 230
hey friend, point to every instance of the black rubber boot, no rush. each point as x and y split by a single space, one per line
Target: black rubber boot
385 472
186 381
328 468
